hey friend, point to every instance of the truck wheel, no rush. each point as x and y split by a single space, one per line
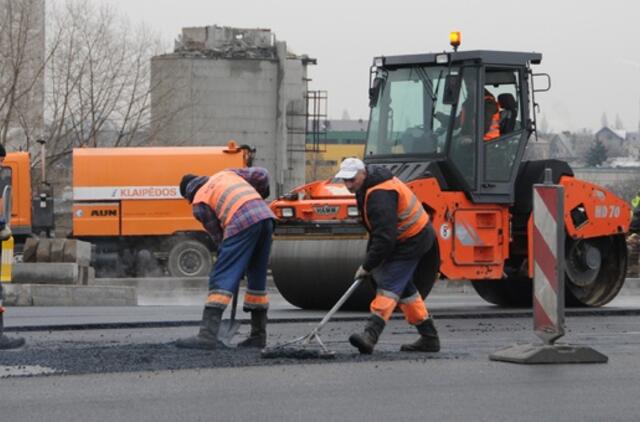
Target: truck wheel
189 258
595 270
508 292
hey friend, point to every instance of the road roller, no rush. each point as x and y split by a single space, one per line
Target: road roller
454 126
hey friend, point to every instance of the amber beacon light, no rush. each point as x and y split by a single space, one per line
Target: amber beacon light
455 38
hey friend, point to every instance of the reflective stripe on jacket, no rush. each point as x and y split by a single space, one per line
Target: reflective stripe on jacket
494 127
412 218
225 193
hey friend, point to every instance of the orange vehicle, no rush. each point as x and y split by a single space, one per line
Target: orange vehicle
320 202
427 126
126 202
28 214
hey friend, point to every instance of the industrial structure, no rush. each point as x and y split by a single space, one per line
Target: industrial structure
224 83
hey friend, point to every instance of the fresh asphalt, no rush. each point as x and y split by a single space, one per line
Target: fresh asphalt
137 374
120 364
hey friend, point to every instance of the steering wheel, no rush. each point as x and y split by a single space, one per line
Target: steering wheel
418 140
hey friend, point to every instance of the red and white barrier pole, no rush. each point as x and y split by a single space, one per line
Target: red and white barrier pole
548 285
548 256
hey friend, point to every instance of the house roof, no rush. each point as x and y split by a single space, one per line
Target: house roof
619 133
563 144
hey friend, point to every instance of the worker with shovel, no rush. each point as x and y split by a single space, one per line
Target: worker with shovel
230 205
399 236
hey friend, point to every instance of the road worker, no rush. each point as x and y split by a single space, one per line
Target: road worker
399 236
231 207
491 116
5 234
633 239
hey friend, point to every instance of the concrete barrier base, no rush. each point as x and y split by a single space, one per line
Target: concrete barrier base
546 354
52 273
65 295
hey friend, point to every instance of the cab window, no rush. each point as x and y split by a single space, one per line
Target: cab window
503 122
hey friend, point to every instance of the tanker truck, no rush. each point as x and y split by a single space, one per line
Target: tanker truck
127 204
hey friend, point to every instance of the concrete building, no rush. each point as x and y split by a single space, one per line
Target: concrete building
225 83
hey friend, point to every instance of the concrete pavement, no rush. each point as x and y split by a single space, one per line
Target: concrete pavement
442 304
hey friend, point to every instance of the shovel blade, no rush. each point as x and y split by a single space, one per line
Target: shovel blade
228 329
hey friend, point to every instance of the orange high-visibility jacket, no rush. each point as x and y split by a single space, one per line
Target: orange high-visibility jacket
494 127
412 218
225 193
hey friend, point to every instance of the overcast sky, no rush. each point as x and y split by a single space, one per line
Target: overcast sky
590 49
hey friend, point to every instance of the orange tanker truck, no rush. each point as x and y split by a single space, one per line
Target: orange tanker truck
126 203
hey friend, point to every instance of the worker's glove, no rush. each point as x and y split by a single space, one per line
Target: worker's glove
361 273
5 231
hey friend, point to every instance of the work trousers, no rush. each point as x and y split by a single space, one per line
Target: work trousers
397 277
244 253
394 280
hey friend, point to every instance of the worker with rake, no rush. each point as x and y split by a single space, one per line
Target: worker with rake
230 205
399 236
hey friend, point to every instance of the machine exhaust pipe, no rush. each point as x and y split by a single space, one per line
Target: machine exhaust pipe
43 219
43 159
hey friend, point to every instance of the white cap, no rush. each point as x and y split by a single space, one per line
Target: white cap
349 167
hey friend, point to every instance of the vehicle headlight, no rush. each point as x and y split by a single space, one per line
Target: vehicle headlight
286 212
352 211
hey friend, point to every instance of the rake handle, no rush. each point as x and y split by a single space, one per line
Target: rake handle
337 306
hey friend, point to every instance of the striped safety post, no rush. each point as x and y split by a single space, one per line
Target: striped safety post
6 260
548 258
548 286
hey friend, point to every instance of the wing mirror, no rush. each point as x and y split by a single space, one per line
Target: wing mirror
376 88
451 89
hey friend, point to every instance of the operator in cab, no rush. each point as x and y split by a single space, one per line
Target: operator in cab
400 234
491 116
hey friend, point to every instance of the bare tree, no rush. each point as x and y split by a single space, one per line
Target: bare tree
98 80
89 85
604 120
619 125
22 64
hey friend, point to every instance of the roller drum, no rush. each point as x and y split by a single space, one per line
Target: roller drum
315 273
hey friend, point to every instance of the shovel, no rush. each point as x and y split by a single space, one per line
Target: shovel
229 327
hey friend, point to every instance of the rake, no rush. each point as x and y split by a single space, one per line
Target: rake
301 348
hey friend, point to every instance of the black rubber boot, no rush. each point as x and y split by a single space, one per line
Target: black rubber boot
8 342
366 341
207 338
258 336
428 341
